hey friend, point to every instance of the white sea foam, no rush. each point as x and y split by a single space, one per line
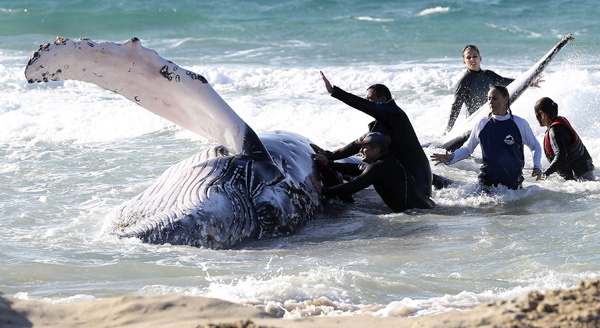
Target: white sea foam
435 10
374 19
80 113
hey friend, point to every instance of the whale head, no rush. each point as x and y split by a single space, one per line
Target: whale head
217 202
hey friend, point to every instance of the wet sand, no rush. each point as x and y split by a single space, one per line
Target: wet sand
579 307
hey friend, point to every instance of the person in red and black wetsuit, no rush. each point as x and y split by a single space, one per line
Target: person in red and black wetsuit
562 145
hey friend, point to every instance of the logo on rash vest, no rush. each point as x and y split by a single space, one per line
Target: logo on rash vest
509 140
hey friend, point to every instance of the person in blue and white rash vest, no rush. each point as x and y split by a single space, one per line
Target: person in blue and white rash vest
562 145
502 136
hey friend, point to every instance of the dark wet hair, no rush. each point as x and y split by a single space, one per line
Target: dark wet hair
504 92
381 91
374 140
547 106
470 46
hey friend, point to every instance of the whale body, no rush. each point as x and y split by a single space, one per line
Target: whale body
248 187
218 200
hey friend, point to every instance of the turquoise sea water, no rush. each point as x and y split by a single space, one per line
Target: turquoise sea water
71 152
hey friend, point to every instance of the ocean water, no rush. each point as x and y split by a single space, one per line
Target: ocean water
71 152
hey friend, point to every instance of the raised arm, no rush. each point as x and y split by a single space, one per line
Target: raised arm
327 83
356 102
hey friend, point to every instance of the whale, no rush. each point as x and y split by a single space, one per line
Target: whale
460 133
247 187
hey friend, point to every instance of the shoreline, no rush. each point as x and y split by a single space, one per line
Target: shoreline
579 307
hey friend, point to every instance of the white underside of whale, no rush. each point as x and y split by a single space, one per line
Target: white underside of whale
141 75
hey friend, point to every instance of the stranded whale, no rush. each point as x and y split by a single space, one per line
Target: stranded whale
248 187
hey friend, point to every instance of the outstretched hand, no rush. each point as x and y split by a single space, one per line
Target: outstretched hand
441 158
327 84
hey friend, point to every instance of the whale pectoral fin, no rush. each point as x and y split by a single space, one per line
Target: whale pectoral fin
253 147
159 85
455 143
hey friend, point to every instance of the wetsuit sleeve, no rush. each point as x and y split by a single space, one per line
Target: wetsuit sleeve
459 99
499 80
346 168
530 140
345 152
559 135
363 105
365 179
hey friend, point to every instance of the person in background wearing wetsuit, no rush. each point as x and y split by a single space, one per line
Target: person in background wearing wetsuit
393 183
563 147
501 136
392 122
473 87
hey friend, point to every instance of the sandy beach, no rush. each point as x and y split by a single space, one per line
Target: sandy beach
579 307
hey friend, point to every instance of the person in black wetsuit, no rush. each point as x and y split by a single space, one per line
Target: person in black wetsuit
393 183
392 122
473 87
563 147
